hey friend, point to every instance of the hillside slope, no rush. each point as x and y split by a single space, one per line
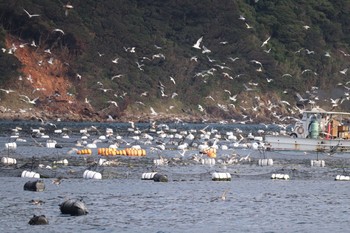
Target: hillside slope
121 60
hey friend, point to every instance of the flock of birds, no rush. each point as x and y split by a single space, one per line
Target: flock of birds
37 87
187 145
244 110
158 140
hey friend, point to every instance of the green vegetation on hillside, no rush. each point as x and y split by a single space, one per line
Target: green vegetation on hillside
158 35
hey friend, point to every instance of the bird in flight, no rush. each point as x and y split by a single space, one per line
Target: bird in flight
197 44
30 15
265 42
173 80
153 112
113 102
58 30
344 71
67 7
7 91
248 26
28 100
241 17
117 76
200 108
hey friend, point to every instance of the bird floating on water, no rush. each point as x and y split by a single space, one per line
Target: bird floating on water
57 181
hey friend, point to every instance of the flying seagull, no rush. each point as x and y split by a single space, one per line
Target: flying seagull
197 44
28 100
153 112
344 71
67 7
7 91
58 30
265 42
29 15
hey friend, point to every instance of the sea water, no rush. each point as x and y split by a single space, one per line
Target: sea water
311 201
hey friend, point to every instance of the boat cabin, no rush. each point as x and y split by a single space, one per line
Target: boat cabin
320 124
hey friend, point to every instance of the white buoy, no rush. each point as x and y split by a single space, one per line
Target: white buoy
265 162
8 160
137 147
51 144
11 145
208 161
57 131
92 175
280 176
29 174
103 162
342 178
83 131
221 176
113 146
160 162
148 175
318 163
63 161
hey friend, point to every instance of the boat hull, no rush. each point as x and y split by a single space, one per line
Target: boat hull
306 144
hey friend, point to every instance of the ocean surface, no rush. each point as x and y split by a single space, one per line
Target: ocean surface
310 201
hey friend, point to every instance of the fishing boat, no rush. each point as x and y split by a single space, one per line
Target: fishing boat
318 130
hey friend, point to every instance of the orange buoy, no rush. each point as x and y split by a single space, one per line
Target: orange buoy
211 154
133 152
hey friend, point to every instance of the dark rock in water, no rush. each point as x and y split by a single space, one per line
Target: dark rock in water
160 178
73 207
38 220
37 186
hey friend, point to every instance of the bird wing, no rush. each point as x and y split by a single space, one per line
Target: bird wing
35 99
199 40
196 45
26 97
265 42
26 12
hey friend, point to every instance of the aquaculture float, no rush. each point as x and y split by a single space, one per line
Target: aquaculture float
36 186
318 131
73 207
38 220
